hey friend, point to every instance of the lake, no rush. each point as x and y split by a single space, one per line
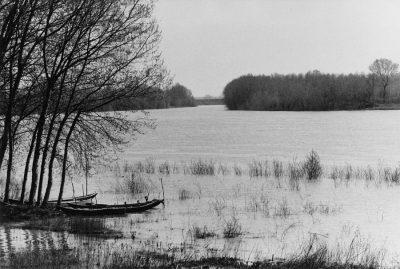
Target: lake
354 205
212 132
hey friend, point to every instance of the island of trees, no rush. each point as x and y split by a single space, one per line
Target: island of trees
315 90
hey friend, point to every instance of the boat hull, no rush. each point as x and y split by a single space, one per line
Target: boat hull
64 200
111 210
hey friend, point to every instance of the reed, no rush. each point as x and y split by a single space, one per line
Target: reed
278 168
313 254
200 168
282 210
135 183
295 173
218 205
184 194
201 232
261 204
237 170
223 169
258 169
164 168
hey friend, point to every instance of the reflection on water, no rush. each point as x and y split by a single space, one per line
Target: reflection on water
13 239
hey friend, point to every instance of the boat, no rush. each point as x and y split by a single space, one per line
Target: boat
112 209
92 205
64 200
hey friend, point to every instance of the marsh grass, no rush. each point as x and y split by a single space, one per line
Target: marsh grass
358 254
223 169
135 183
184 194
261 204
321 208
232 228
237 170
201 232
278 168
45 259
282 210
164 168
258 169
77 225
200 168
218 205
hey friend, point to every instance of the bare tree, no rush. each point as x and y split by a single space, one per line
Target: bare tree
385 71
69 59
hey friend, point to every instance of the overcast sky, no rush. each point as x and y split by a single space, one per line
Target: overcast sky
208 43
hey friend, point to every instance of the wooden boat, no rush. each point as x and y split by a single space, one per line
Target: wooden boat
64 200
111 210
91 205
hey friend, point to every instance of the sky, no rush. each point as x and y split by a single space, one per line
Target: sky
208 43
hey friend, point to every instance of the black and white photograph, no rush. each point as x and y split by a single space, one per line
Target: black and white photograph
200 134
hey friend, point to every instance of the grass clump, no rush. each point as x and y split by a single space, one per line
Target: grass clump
201 233
232 228
258 169
312 166
278 168
200 168
184 194
218 205
282 209
134 183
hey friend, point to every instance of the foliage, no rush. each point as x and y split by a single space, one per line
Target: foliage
179 96
313 91
312 166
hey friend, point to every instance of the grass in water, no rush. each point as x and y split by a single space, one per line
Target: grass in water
77 225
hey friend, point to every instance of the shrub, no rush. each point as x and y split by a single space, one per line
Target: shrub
232 228
312 166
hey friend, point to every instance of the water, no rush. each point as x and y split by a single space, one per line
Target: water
274 217
339 137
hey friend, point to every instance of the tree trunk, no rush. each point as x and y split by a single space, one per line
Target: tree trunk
65 158
28 159
51 162
36 154
9 167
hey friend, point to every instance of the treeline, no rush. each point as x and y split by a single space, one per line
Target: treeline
175 96
311 91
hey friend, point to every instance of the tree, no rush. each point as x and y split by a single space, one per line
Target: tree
180 96
385 71
63 61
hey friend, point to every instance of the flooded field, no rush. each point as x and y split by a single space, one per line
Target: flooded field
251 205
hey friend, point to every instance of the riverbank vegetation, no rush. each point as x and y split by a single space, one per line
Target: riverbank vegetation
315 91
312 254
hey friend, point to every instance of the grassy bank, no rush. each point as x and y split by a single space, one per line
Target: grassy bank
106 255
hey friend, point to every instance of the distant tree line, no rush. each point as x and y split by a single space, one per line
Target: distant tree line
175 96
314 90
